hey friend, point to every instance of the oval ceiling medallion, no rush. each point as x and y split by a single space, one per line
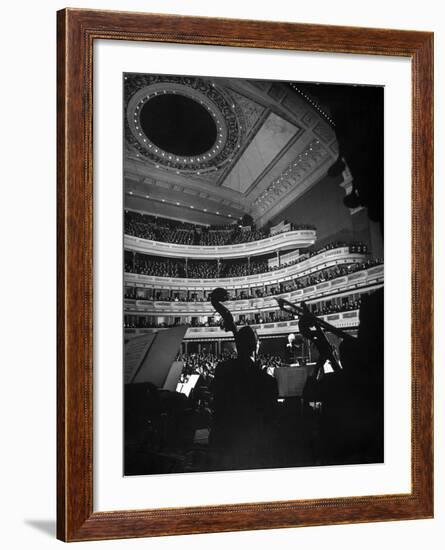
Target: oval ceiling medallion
181 123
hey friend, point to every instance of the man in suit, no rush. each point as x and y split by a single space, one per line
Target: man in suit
290 354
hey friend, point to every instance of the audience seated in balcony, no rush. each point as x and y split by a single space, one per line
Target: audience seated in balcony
149 227
208 269
326 308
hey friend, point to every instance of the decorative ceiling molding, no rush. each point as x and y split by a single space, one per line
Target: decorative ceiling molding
269 143
250 110
295 172
240 110
139 89
136 170
151 195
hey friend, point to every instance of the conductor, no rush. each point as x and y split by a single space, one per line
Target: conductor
290 354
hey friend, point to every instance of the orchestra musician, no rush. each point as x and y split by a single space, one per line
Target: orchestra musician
244 400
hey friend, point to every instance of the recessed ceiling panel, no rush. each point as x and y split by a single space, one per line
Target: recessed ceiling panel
269 141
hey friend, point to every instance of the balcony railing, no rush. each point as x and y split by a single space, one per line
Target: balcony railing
323 260
367 278
301 238
343 320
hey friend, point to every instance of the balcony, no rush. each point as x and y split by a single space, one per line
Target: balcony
344 320
283 241
323 260
372 277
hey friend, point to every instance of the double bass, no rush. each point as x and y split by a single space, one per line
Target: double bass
217 296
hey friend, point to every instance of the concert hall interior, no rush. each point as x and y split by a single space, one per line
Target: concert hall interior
271 193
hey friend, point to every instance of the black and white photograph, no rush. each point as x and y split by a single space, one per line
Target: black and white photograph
253 283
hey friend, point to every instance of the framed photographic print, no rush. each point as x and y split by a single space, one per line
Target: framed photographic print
244 275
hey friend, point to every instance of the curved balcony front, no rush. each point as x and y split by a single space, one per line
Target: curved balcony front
346 320
368 278
326 259
290 240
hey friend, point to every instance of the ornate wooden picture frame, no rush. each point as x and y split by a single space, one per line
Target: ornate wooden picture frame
77 31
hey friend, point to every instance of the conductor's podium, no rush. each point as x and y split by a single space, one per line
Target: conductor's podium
291 379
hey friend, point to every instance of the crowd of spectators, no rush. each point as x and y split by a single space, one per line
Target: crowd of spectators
205 363
147 265
202 269
247 236
354 248
150 265
242 268
149 227
299 283
135 226
337 308
194 269
326 307
211 269
177 236
331 273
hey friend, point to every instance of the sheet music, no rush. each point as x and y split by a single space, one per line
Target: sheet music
291 381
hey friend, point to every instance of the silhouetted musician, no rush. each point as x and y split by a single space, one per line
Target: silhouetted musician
244 401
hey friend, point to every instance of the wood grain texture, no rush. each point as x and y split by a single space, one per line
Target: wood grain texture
77 30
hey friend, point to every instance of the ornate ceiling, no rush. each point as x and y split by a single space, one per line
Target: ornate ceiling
243 146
